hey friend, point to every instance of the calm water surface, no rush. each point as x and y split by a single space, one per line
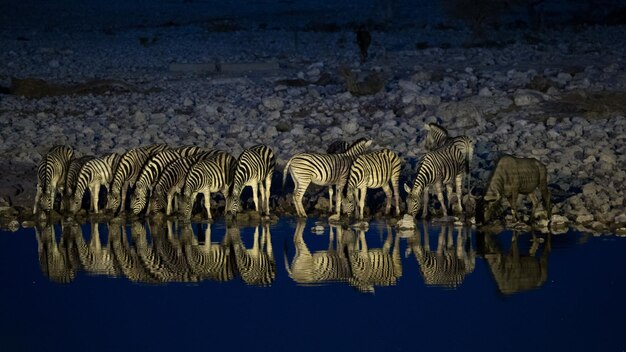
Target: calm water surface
290 286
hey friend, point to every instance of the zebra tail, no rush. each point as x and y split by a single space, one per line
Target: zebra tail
285 171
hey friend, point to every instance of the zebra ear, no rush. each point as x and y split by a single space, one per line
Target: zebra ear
427 127
407 188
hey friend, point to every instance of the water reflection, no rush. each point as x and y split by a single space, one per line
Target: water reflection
513 271
158 252
450 262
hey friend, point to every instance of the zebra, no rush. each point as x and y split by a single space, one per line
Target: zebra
73 172
94 174
151 171
256 265
439 167
127 172
323 170
206 176
171 182
51 175
126 258
255 166
373 170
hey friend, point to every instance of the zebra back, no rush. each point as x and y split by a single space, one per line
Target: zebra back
325 169
73 172
374 169
127 172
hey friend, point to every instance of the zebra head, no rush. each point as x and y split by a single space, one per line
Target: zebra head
490 206
75 202
114 200
436 136
186 203
138 200
233 204
348 203
413 199
157 203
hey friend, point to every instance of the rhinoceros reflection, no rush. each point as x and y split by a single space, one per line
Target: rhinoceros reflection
513 271
450 263
54 258
324 266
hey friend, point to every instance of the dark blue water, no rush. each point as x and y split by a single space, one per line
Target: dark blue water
440 289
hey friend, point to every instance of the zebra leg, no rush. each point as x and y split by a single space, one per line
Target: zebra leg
338 201
388 195
449 193
298 193
425 202
268 185
396 195
124 191
330 198
255 195
95 197
459 191
439 191
363 193
37 198
170 198
513 204
207 203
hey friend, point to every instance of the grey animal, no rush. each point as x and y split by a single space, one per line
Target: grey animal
511 177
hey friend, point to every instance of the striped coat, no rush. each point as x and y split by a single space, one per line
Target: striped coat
94 174
51 175
254 168
323 170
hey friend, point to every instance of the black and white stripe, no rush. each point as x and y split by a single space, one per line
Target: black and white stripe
378 169
437 136
208 260
127 172
323 170
51 174
337 147
255 265
170 183
72 177
152 171
94 174
206 177
254 168
440 167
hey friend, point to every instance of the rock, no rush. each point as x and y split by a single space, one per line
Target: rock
54 63
273 103
188 102
525 97
318 229
584 218
485 92
620 219
428 100
406 223
140 118
350 127
558 220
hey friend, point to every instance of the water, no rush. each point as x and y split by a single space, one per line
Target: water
441 289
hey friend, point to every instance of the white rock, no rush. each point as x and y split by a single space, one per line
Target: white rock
273 103
527 97
584 218
406 223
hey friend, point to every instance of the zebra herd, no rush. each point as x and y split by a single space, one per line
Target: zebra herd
152 177
159 178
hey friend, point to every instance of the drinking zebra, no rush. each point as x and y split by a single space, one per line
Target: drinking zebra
94 174
127 172
73 172
442 166
151 171
323 170
172 180
206 176
51 174
254 167
374 170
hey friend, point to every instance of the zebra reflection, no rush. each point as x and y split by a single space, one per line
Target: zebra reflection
54 258
374 266
126 255
94 258
256 265
450 263
513 271
208 260
323 266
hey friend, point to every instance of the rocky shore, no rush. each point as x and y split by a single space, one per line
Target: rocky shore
559 96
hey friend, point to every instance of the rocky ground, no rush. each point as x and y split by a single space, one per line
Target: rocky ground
558 96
